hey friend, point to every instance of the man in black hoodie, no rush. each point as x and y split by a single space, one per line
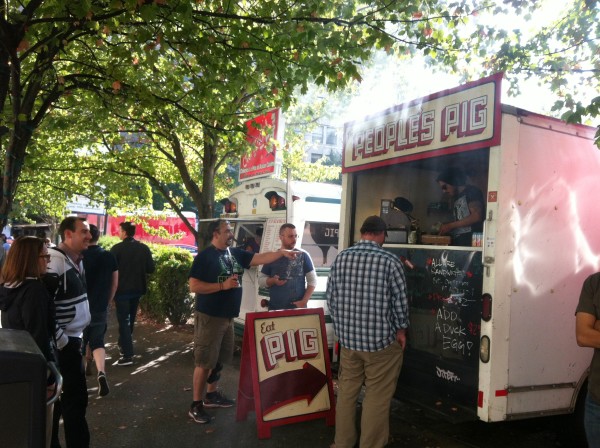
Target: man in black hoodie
135 263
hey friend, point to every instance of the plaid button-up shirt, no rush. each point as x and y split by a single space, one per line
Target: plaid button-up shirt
366 295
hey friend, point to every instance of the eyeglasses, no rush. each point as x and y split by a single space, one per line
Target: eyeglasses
46 256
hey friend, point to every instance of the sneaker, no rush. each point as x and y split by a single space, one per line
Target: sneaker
103 388
198 414
217 400
125 361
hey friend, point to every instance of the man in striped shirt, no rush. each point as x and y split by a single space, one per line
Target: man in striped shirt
366 295
65 281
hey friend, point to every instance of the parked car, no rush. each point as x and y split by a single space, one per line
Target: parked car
193 250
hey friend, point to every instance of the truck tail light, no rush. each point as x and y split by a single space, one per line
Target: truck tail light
484 349
276 202
486 307
228 206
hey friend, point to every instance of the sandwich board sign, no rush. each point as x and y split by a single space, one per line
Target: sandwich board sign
285 372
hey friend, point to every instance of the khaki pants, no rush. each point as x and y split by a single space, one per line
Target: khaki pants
379 372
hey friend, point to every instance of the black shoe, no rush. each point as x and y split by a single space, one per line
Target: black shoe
198 414
125 361
103 388
217 400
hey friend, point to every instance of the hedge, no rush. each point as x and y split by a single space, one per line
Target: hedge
168 295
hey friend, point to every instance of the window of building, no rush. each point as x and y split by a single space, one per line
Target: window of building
331 136
317 135
315 156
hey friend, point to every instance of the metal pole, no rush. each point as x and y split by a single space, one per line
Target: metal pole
289 216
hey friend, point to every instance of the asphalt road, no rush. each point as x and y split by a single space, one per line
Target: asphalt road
148 404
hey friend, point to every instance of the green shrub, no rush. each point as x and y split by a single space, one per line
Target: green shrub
106 242
168 295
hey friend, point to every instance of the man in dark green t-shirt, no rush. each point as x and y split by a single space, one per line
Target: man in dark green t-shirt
215 278
587 328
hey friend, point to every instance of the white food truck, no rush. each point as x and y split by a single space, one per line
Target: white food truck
266 203
492 325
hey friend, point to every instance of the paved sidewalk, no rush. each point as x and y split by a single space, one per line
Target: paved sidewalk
148 402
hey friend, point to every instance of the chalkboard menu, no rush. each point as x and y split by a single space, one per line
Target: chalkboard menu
444 288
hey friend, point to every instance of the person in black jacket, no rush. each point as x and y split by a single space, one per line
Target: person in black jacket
24 299
135 262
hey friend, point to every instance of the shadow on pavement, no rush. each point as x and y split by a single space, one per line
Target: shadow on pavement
149 401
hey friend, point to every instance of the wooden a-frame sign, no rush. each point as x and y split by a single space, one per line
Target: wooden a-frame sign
285 372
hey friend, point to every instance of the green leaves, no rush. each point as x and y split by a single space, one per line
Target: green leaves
562 54
576 111
183 76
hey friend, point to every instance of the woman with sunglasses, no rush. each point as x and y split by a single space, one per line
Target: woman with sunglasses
24 300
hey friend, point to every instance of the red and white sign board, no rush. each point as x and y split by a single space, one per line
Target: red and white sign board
455 120
262 133
285 372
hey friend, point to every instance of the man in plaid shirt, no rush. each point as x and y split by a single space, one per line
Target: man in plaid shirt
366 295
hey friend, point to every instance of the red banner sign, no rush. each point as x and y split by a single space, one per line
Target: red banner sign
261 133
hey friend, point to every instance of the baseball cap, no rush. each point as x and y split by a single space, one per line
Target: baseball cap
373 224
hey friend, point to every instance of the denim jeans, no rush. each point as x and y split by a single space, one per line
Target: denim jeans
127 306
592 422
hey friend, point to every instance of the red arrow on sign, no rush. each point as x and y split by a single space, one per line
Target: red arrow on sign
296 385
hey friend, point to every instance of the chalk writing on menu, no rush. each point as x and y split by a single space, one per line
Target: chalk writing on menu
444 289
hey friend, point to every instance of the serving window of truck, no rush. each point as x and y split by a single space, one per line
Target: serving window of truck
392 161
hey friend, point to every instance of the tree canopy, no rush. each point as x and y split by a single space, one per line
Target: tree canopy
563 54
112 99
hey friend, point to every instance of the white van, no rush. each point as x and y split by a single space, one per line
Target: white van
267 203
